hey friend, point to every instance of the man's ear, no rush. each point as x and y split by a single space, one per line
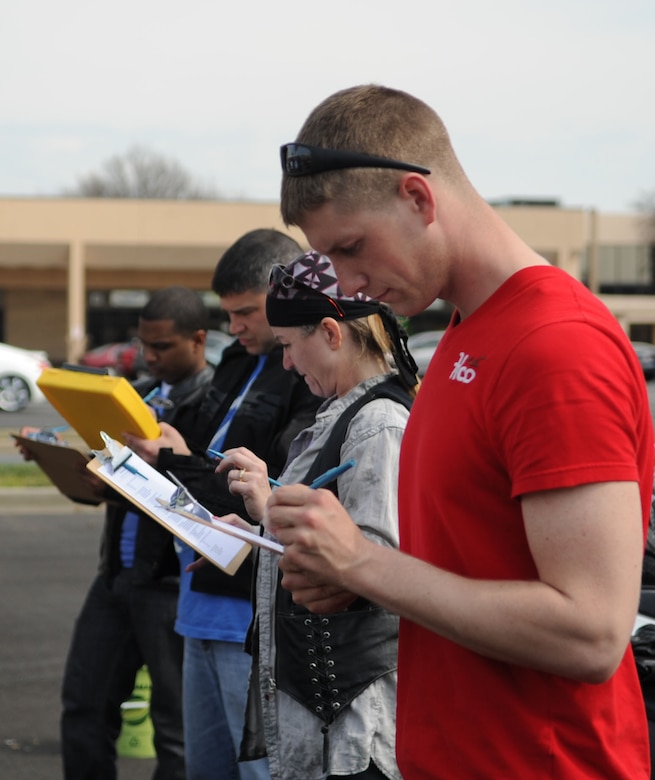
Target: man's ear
333 335
418 193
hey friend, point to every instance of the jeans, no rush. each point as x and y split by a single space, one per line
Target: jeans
214 701
120 628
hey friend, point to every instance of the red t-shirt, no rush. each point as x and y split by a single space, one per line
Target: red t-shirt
538 389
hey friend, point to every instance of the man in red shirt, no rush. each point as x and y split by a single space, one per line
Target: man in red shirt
525 473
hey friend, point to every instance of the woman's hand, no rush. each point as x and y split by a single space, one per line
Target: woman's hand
230 519
247 476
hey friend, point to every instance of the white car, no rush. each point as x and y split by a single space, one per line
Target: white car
19 370
422 346
216 342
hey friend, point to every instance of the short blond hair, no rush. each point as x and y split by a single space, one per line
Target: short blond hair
373 340
375 120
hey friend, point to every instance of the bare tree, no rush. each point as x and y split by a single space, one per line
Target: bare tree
141 173
646 205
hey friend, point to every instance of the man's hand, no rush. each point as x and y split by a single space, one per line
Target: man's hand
93 482
148 449
25 431
322 546
316 598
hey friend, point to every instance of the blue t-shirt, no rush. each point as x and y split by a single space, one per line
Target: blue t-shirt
128 539
130 526
208 615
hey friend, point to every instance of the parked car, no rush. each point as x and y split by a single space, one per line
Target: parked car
19 370
646 354
126 358
422 346
119 357
216 342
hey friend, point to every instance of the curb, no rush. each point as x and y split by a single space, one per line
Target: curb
45 500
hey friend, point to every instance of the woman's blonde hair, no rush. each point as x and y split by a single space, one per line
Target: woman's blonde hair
373 340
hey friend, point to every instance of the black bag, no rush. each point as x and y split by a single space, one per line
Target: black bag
643 647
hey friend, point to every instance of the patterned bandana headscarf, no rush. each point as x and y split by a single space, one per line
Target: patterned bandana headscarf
307 290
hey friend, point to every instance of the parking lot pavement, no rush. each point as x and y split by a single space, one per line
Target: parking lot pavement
45 500
47 560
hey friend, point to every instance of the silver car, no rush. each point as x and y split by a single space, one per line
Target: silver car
19 370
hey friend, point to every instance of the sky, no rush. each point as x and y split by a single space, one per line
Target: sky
551 99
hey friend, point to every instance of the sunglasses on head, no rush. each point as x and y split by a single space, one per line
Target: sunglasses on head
304 160
281 278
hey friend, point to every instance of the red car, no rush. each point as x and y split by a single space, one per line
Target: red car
119 358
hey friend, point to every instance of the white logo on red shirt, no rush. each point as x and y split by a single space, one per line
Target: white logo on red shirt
461 371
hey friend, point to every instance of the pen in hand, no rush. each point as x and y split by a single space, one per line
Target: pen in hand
331 474
221 455
149 396
158 403
324 479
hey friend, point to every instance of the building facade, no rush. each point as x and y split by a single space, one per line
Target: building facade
75 272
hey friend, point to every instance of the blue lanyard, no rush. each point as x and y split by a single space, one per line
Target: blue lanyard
219 437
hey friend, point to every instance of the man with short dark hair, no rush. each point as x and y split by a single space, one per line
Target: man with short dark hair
252 402
129 614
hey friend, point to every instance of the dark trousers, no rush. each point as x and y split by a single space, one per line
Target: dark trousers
120 628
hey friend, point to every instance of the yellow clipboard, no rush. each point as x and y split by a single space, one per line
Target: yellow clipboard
93 402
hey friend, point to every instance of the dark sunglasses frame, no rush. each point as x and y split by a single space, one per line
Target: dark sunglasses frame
304 160
280 277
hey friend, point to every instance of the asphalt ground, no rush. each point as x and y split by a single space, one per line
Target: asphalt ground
48 557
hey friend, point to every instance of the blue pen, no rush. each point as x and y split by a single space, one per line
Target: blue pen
149 396
157 402
331 474
221 455
134 470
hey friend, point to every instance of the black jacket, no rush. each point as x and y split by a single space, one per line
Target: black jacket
155 559
277 407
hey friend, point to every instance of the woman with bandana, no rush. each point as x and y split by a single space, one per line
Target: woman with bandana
322 701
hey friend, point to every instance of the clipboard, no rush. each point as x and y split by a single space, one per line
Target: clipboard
202 515
89 402
63 466
150 491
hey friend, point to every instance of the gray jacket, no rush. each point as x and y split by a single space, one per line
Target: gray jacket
294 738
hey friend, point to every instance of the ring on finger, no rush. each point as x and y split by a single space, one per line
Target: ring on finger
241 473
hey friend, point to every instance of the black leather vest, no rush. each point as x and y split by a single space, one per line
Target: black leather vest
324 661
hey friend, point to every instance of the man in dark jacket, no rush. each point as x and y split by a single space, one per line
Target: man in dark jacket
129 614
252 402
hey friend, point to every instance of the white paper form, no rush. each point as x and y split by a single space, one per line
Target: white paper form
145 487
